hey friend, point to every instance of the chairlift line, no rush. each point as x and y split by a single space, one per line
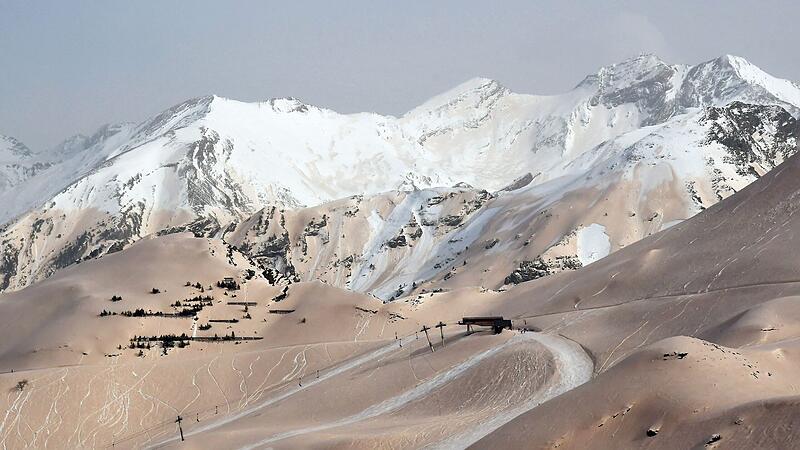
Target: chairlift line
215 408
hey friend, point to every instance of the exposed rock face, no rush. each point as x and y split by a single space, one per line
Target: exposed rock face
758 138
313 228
491 243
529 270
538 268
451 221
207 181
381 244
645 81
520 182
399 241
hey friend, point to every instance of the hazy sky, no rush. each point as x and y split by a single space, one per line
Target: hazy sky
68 67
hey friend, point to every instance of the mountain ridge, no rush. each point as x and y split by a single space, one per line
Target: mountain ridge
209 163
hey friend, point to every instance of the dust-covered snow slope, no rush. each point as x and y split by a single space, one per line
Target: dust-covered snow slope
211 162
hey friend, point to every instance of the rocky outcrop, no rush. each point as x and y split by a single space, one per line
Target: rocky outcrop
757 137
538 268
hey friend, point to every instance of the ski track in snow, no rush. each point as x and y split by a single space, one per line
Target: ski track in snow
574 368
344 367
216 383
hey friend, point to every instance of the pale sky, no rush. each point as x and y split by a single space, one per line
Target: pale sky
70 66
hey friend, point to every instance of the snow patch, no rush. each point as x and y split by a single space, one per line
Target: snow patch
593 243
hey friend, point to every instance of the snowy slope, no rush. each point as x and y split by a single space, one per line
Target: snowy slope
409 243
17 163
41 175
500 135
211 162
12 150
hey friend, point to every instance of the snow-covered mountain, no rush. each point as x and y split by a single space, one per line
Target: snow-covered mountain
17 163
657 138
37 176
12 150
402 243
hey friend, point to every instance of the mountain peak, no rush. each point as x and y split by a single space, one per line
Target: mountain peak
288 104
470 94
642 60
738 65
477 83
627 73
176 117
733 60
728 77
12 149
80 142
